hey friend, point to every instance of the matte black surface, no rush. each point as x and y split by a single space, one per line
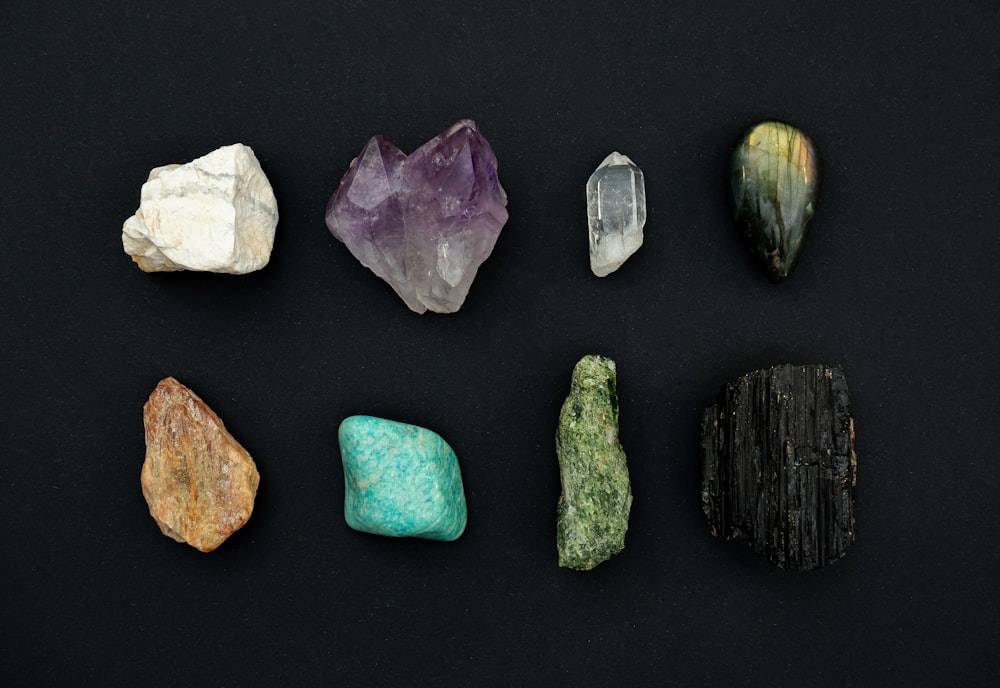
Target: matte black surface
898 285
779 467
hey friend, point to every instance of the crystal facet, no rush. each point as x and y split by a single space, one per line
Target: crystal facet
775 170
616 213
593 510
400 480
778 465
425 222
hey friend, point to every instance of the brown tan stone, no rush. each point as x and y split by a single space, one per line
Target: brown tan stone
199 482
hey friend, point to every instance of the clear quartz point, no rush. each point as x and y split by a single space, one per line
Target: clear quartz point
616 213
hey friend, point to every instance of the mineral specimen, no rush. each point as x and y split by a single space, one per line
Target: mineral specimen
199 482
216 214
593 509
775 172
616 213
400 480
424 223
778 465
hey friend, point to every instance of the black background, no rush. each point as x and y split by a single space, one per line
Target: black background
898 284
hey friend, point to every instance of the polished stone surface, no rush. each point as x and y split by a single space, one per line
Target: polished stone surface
425 222
616 213
775 175
400 480
596 498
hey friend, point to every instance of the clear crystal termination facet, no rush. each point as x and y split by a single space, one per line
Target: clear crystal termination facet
616 213
425 222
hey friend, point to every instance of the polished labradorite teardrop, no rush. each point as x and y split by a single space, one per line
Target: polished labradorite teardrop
775 186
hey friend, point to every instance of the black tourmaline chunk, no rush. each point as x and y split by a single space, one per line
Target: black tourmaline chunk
778 465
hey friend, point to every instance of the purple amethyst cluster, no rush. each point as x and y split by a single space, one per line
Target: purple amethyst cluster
425 222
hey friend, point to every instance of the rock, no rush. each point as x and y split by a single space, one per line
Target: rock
775 172
215 214
778 465
593 509
616 213
199 482
424 223
400 480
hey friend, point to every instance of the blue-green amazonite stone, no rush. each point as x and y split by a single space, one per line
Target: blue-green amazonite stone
400 480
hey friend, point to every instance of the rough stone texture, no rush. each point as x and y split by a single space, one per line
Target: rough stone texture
216 214
778 465
775 172
400 480
593 509
616 213
199 482
424 223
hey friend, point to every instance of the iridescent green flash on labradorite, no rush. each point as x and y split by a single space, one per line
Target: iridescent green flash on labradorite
775 172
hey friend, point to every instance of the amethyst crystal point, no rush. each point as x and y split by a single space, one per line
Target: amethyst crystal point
425 222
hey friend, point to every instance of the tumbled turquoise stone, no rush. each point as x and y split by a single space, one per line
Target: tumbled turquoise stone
400 480
775 171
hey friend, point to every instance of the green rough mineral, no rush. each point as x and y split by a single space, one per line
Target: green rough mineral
593 510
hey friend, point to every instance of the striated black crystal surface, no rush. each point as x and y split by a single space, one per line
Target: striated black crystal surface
778 465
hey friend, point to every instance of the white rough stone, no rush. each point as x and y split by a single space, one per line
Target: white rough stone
616 213
215 214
